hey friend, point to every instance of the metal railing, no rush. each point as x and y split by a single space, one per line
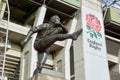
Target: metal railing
6 39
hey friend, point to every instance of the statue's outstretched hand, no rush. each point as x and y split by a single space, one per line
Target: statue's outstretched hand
64 28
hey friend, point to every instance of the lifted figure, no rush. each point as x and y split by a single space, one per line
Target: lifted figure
47 34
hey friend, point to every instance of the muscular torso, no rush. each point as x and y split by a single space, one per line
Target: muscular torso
50 30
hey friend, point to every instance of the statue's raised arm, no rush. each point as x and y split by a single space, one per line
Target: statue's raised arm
33 30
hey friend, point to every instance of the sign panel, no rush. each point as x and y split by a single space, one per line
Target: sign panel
95 57
94 37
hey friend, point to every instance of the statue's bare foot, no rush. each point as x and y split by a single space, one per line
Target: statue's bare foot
76 34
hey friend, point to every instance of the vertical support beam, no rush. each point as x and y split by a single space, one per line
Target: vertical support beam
119 61
29 49
67 50
2 9
94 45
22 65
39 18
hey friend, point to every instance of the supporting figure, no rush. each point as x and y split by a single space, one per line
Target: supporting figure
47 34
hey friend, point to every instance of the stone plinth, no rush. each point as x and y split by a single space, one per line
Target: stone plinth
45 77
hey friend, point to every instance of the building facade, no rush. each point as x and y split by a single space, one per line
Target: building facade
66 60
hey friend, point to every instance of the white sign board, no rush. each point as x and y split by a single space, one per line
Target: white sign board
96 65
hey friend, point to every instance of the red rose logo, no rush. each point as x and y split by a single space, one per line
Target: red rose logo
93 22
93 26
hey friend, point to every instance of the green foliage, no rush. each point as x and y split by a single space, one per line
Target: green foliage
93 33
88 28
99 34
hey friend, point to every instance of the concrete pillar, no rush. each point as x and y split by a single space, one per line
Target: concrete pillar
42 76
114 73
38 20
29 55
67 50
2 9
90 51
119 61
78 54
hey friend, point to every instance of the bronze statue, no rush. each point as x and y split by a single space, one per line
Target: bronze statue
47 34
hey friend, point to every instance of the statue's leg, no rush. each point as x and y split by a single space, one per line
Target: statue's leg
47 41
41 60
72 36
42 57
76 34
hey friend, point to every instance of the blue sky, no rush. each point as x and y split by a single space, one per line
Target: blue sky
117 5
